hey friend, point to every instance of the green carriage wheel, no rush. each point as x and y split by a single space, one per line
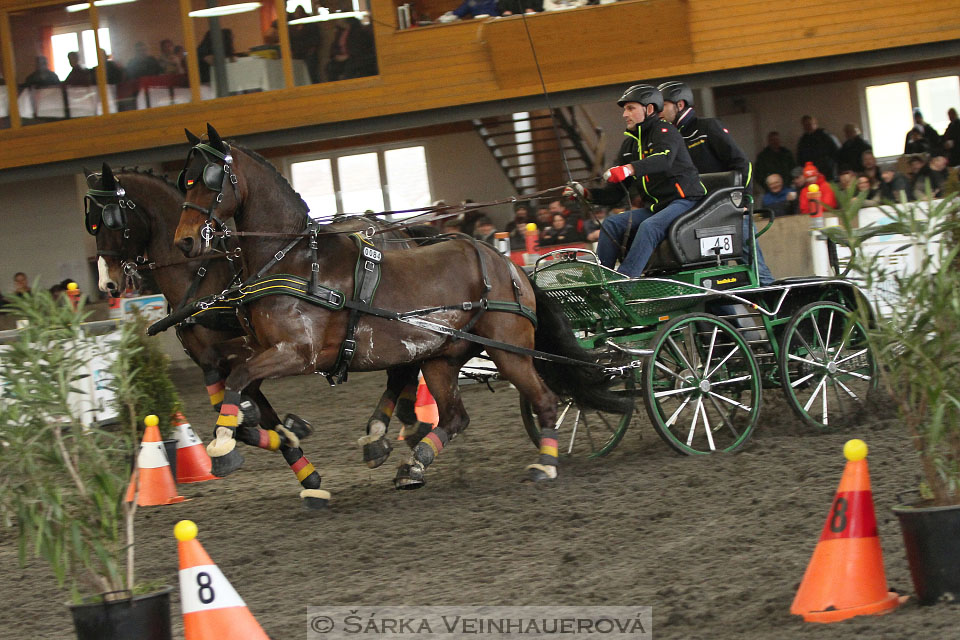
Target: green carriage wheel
826 367
583 431
701 385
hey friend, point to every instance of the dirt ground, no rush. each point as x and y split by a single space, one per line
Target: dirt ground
716 545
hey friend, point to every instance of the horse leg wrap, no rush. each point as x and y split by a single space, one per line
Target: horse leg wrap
382 415
546 467
406 404
430 446
312 495
414 433
215 388
297 426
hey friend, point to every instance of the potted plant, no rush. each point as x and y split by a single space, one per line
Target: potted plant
64 480
915 337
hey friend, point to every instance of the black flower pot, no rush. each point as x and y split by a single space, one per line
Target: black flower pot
144 617
170 446
931 536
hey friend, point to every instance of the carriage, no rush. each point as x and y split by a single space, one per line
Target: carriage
698 340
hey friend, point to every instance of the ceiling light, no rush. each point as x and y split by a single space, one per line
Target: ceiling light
324 14
226 10
73 8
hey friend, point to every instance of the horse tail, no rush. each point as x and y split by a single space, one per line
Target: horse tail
588 385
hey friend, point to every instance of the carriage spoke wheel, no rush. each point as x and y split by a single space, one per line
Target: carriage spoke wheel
701 385
827 369
583 431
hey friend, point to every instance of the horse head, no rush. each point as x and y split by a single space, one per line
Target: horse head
212 192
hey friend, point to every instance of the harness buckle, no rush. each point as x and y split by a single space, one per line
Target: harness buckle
226 232
335 298
315 267
467 306
233 179
369 266
349 347
202 271
220 197
278 256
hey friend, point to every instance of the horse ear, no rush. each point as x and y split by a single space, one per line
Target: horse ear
214 137
107 179
191 137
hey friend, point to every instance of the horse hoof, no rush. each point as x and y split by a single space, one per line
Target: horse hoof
376 453
315 499
224 465
409 477
540 473
298 426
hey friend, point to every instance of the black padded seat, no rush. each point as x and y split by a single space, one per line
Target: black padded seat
717 216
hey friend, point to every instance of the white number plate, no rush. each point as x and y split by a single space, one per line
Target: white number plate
708 245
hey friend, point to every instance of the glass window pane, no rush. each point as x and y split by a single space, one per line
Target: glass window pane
313 179
63 44
407 178
150 53
360 183
889 113
935 96
4 107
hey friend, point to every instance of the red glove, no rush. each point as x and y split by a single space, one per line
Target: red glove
618 174
574 190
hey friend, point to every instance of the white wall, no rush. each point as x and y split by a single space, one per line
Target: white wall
43 233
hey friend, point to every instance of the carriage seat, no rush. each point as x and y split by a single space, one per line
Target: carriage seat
717 220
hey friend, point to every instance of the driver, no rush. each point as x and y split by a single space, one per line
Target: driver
653 155
712 149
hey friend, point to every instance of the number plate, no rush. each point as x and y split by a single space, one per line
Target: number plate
708 245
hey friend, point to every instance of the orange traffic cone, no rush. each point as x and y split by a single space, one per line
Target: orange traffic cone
425 406
211 607
156 481
193 463
845 577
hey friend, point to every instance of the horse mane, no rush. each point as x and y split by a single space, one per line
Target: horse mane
148 173
281 182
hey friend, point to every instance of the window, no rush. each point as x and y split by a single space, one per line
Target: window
68 39
889 108
357 182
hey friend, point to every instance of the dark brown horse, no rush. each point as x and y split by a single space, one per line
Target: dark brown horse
449 286
133 215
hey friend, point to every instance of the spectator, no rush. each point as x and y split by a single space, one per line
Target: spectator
782 201
931 176
894 186
846 180
773 159
811 176
115 72
951 138
511 7
544 218
42 76
796 179
483 229
517 228
559 232
922 138
79 75
851 152
867 191
142 64
557 206
306 43
171 61
20 285
591 226
870 168
351 54
473 8
205 57
817 146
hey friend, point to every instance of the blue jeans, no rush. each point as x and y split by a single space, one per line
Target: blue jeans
763 270
651 229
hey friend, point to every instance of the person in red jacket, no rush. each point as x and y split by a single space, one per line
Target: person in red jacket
812 175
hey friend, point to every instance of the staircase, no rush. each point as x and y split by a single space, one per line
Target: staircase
528 151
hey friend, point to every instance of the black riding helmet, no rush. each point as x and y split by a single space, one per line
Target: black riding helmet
674 91
644 94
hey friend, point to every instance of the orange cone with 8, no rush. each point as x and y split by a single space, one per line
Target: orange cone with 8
845 577
211 606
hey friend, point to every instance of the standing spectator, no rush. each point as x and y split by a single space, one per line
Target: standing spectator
931 176
351 54
811 176
115 72
851 152
142 63
894 186
922 138
559 232
171 61
79 75
951 138
20 285
306 42
773 159
205 57
42 76
817 146
782 201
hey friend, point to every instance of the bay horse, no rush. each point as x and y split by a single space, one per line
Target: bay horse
133 215
459 287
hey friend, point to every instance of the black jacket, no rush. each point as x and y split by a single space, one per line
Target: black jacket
820 148
850 155
711 146
661 164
